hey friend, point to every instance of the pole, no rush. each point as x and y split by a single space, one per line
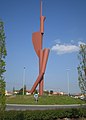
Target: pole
23 80
68 81
40 8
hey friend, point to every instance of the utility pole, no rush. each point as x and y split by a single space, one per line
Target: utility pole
23 80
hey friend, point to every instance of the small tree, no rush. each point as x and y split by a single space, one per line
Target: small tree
3 53
51 91
21 91
82 68
13 90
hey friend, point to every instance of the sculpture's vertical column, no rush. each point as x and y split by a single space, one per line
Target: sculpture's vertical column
41 84
42 18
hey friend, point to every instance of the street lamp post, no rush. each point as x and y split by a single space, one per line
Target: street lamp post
68 81
23 80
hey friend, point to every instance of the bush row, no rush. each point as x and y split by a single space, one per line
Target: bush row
43 115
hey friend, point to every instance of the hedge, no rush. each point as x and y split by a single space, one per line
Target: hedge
43 115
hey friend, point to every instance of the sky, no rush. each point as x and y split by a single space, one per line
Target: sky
64 31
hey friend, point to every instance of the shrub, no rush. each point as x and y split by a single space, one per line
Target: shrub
43 115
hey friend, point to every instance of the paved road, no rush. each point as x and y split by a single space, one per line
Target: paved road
41 107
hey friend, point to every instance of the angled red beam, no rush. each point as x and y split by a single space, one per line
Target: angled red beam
40 77
36 83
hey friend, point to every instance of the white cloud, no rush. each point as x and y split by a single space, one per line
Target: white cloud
66 48
62 48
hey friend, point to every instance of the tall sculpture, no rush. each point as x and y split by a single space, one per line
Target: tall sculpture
37 39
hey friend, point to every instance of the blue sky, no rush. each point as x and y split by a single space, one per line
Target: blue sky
65 29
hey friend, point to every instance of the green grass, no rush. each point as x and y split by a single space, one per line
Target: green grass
44 100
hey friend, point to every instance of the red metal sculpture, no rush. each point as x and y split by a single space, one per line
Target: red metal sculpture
37 38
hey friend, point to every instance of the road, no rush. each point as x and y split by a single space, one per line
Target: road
42 107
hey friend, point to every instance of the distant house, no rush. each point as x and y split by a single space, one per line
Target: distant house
55 93
7 93
28 92
61 93
58 93
16 92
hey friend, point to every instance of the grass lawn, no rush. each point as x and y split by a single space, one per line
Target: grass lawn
43 100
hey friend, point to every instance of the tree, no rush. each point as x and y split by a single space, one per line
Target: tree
3 54
13 90
35 92
82 68
51 91
21 91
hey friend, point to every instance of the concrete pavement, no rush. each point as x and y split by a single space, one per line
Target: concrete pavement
42 107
